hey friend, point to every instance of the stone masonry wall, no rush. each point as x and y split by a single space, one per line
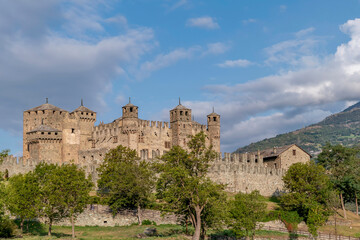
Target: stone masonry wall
99 215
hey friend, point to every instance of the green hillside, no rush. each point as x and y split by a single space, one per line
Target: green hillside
340 128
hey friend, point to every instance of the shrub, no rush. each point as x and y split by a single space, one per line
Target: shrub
148 222
7 227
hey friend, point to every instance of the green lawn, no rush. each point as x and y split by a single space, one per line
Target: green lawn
124 232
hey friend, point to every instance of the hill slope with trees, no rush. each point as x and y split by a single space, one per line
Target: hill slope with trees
340 128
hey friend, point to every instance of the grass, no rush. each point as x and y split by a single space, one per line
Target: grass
166 231
107 233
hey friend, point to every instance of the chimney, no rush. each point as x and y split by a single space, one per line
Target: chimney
274 150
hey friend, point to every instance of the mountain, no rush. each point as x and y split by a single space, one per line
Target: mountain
340 128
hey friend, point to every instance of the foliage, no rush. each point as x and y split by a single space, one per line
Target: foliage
3 154
148 222
7 227
22 196
245 212
184 187
309 192
125 180
343 165
64 191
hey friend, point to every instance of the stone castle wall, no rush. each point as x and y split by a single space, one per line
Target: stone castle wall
238 172
239 176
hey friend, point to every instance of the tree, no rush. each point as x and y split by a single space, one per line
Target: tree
183 184
23 197
64 191
342 164
309 193
125 180
3 154
75 188
245 212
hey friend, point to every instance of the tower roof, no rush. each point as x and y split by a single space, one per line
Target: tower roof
83 109
46 106
180 106
129 104
213 113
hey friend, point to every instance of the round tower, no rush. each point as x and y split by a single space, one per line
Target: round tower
130 124
181 125
213 122
130 110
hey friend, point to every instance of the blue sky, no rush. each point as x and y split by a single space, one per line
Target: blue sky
268 67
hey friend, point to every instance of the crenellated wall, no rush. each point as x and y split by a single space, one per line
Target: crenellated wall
246 173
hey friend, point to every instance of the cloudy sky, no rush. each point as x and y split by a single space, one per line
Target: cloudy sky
268 67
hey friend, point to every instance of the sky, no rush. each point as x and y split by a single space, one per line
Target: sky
267 67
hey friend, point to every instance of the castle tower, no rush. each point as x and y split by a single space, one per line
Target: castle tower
87 119
213 122
45 114
130 122
181 125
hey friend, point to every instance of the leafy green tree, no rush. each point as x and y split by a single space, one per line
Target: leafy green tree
183 184
308 192
3 154
23 197
342 164
64 191
75 188
245 212
125 180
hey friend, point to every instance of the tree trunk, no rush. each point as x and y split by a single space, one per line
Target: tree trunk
357 206
139 214
343 205
197 232
22 225
50 225
73 226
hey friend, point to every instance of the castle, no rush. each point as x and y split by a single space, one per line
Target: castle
54 135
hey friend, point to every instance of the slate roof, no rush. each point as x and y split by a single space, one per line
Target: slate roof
46 106
83 109
181 107
44 128
268 153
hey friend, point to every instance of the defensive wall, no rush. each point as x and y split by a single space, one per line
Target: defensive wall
239 172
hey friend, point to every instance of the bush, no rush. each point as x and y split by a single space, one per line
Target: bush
148 222
7 227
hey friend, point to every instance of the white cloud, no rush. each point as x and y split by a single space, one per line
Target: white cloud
250 20
216 48
290 99
203 22
235 63
38 62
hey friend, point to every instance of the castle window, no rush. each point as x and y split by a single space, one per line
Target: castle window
60 113
131 109
184 125
82 113
35 112
43 111
53 112
215 119
92 114
73 130
167 145
186 113
87 113
49 133
181 113
56 133
42 133
294 152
